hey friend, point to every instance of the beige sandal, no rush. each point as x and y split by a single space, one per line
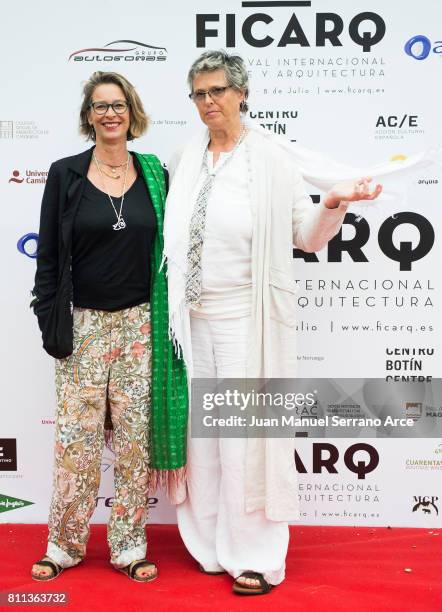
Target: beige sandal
131 570
54 567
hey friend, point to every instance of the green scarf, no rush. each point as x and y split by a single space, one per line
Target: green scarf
169 405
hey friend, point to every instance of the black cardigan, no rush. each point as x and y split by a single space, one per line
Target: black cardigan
52 292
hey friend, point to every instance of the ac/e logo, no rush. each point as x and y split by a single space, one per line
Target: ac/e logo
396 121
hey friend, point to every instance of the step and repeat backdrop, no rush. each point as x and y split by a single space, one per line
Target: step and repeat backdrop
359 81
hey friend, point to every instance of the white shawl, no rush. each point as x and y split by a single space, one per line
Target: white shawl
185 167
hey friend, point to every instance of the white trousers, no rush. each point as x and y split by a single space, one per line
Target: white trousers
212 520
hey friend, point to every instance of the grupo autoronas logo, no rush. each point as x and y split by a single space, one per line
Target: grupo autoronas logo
123 51
12 503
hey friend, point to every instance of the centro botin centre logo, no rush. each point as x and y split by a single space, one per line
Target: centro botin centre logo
121 51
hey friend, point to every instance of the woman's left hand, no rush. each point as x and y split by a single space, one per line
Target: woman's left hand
351 191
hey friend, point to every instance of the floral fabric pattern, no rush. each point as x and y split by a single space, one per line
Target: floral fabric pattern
109 367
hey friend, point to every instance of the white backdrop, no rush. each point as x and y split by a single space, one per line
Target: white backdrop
359 106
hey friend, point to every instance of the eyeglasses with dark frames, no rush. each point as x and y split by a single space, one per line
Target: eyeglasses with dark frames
215 93
119 107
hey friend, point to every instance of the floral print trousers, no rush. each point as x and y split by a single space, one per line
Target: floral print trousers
109 367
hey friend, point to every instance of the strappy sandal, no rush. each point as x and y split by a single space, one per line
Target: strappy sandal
54 567
243 589
201 568
131 570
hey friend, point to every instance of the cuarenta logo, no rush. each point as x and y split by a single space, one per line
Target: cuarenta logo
12 503
120 51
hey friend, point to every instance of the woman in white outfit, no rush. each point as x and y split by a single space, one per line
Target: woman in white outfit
236 207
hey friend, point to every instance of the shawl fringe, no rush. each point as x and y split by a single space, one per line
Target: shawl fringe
170 481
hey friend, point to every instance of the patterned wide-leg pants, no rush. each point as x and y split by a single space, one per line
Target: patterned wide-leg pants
110 366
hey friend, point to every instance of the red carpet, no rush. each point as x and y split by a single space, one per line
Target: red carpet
328 568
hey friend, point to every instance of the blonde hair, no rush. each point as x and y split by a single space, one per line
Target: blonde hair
139 121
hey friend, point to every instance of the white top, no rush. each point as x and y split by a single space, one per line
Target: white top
227 248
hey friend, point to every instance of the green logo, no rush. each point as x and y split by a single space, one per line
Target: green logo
12 503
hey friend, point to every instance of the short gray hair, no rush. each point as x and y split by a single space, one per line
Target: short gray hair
233 66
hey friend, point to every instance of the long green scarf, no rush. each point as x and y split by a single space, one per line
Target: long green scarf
169 406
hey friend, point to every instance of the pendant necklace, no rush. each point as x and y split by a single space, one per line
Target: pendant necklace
120 224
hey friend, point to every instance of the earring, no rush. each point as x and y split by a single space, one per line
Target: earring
242 106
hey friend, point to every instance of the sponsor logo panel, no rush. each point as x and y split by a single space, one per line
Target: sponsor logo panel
119 51
8 454
313 53
426 504
8 503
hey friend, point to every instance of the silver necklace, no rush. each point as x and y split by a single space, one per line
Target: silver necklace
222 162
121 223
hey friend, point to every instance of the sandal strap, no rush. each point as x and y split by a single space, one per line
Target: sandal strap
135 565
265 586
51 564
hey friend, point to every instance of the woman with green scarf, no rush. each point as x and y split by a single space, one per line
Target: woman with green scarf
100 296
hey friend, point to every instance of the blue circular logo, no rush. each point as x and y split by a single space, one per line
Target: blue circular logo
23 241
426 47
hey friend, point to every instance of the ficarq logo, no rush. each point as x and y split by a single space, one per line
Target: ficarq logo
365 29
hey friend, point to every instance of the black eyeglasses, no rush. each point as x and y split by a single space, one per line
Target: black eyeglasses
215 93
119 107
